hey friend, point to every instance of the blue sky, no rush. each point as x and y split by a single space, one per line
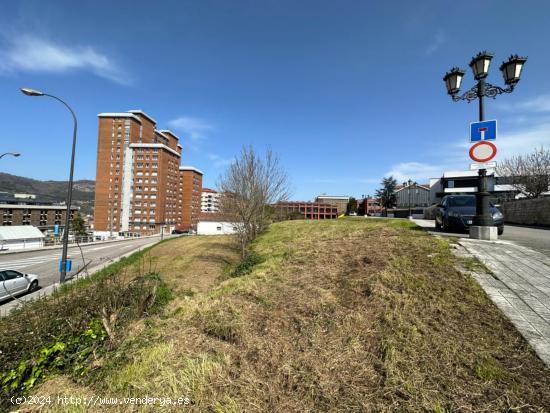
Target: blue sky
345 92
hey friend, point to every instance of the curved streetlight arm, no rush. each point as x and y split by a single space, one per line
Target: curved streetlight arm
66 105
63 272
487 90
15 154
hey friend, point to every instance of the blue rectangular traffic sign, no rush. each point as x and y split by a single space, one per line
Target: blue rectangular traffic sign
483 131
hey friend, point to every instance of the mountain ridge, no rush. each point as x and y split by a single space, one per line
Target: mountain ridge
50 190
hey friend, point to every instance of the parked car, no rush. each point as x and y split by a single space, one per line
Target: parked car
456 212
13 283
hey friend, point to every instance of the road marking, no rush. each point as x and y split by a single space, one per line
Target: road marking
98 248
27 262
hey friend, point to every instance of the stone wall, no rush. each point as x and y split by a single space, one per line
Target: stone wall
528 211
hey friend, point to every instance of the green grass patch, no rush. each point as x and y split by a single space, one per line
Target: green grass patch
473 264
488 369
245 265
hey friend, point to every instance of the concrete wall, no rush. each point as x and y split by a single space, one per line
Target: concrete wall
528 211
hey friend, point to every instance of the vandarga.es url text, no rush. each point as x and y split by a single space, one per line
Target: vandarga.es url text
101 401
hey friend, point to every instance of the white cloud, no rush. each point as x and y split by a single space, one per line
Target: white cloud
32 54
196 129
417 171
523 141
439 40
218 161
538 104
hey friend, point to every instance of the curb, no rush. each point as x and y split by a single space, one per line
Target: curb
46 291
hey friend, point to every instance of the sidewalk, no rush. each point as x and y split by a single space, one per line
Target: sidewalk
519 286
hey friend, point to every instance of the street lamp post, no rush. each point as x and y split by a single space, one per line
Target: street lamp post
14 154
408 185
63 272
511 71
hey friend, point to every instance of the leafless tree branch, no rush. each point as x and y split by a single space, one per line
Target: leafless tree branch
529 174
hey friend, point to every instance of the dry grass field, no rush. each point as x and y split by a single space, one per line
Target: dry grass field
343 316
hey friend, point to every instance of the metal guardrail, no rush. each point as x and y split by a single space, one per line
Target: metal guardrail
48 242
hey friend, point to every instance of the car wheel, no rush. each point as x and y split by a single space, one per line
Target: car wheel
500 230
33 286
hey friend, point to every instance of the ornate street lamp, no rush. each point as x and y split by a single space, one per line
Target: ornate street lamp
453 80
511 70
408 184
480 65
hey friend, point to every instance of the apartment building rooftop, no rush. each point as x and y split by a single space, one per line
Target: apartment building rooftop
118 115
191 168
142 113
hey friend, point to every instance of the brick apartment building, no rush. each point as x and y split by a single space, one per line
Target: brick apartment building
309 210
189 198
42 214
369 206
139 185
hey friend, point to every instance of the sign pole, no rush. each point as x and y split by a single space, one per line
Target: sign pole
483 216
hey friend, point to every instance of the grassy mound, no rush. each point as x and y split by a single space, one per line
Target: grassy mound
345 315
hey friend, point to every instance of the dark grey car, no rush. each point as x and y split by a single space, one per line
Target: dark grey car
456 212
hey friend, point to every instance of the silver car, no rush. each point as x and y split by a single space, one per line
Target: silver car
13 283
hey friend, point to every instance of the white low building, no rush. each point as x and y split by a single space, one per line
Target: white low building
465 182
20 237
215 224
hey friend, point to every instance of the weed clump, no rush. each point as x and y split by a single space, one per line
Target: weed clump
245 266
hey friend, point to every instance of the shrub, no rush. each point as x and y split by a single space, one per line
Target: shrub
245 265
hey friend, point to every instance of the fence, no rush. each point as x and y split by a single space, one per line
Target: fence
48 242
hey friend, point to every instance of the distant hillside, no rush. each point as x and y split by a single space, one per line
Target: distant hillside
83 190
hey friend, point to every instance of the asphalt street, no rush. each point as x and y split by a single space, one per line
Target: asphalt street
534 238
45 263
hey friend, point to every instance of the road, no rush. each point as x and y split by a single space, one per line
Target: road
534 238
45 263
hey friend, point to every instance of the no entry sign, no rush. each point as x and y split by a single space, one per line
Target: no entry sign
483 151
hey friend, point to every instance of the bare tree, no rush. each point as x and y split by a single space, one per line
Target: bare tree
529 174
250 185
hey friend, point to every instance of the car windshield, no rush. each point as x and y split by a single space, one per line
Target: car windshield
462 201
